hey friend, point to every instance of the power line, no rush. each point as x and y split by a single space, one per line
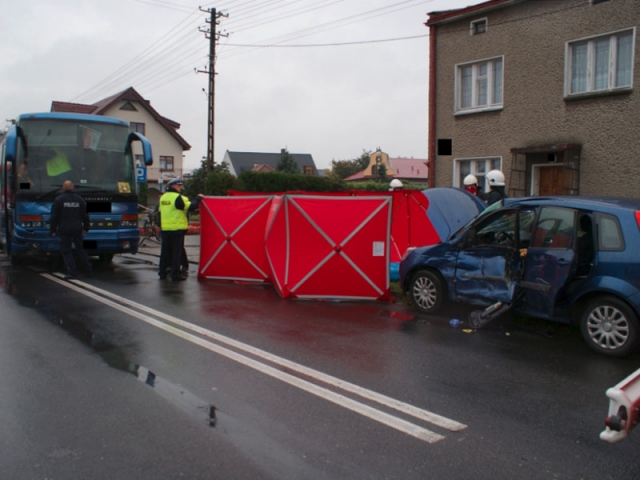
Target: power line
121 73
362 42
164 61
165 4
334 24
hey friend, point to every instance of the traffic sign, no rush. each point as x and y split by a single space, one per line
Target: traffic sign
141 174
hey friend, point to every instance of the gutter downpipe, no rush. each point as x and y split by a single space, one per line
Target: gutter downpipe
432 107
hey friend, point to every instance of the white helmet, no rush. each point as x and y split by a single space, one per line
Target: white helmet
395 183
495 178
470 180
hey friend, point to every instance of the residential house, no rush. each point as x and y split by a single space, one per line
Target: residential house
408 170
543 90
167 144
413 171
240 161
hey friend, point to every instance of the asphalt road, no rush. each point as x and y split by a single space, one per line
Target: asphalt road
125 376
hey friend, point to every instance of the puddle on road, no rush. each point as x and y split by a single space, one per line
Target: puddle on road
114 357
175 394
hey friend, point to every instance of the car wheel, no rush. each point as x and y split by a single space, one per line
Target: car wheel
609 326
426 291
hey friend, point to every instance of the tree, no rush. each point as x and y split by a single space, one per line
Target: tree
197 183
143 193
286 163
346 168
381 172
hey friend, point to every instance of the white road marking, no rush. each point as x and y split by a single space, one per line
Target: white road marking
119 303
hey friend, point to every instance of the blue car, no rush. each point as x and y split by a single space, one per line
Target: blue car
568 259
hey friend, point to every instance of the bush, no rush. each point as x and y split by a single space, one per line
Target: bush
217 183
270 182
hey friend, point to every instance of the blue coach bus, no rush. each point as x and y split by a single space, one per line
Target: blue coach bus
42 150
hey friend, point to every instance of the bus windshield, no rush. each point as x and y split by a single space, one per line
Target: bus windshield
90 154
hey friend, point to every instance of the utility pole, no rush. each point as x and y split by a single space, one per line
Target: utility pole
213 37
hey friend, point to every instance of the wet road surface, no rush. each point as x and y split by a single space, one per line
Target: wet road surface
291 389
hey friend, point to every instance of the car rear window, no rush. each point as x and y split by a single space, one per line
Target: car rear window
609 233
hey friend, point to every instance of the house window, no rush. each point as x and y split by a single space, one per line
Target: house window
166 164
128 106
308 170
136 127
600 64
478 26
479 86
477 167
139 159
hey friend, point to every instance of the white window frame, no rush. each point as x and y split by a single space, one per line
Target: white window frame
472 26
474 161
492 104
591 64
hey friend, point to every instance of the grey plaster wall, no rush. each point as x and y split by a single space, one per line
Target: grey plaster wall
532 40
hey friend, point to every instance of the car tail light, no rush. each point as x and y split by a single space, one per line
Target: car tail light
638 218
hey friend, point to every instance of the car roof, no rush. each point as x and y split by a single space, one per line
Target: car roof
579 202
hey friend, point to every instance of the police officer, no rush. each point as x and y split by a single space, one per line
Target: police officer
174 224
70 221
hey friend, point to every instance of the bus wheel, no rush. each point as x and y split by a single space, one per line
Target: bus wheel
106 257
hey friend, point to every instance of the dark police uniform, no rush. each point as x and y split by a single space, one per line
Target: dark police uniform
68 220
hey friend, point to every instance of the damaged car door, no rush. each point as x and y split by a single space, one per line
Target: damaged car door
549 260
489 265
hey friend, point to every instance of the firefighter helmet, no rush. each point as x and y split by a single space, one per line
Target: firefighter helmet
495 178
470 180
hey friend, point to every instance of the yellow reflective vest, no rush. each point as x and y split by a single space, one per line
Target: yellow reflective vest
58 164
171 218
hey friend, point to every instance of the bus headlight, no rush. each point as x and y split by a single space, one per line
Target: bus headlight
129 221
31 221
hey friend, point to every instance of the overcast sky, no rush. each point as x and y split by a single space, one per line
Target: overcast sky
311 76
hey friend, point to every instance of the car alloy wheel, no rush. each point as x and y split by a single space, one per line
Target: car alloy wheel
609 326
426 291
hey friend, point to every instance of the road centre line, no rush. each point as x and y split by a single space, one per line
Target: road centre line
403 407
406 408
358 407
340 400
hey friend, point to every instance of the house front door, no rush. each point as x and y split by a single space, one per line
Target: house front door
551 181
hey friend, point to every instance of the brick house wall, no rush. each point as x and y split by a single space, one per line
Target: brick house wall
530 37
